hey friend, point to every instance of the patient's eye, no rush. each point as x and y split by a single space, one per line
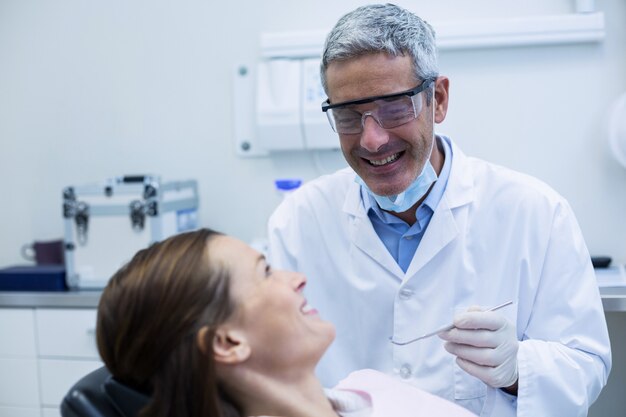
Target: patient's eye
268 270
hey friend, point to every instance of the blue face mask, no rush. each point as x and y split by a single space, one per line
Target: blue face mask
400 203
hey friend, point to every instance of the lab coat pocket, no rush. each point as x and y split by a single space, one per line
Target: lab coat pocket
467 387
469 392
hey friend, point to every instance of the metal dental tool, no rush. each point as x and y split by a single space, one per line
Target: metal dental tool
444 328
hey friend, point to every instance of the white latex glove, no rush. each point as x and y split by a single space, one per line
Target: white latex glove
485 345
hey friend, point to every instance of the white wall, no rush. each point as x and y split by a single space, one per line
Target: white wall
90 90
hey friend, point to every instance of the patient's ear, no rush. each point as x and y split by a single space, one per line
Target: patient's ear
229 346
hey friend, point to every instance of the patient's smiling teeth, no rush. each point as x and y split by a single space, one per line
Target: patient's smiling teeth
385 161
306 308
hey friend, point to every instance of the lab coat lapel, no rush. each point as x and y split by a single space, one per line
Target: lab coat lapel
365 238
363 235
443 227
441 230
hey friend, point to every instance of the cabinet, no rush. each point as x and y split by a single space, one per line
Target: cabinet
44 351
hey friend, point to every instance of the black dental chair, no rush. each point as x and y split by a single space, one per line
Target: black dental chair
98 394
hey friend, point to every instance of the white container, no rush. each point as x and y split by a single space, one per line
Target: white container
283 186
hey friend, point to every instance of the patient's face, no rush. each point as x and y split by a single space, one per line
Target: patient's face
282 329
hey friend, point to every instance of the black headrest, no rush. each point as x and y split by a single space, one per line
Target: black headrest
126 400
98 394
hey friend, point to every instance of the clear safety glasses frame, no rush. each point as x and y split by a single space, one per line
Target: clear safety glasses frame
352 120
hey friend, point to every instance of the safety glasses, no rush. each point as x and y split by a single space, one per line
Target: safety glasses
392 110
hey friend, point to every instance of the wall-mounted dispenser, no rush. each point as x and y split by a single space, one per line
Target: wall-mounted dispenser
278 104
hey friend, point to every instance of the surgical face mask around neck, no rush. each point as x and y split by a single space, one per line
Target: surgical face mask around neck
400 203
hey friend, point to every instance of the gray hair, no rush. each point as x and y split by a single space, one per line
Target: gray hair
382 28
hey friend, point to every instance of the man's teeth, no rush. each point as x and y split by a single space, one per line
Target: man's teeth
306 308
385 161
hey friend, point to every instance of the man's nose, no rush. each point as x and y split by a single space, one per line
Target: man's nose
373 135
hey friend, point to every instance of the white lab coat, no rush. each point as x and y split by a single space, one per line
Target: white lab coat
496 235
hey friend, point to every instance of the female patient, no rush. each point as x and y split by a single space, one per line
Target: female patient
202 324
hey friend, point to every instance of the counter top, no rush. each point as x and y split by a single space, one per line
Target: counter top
58 299
613 299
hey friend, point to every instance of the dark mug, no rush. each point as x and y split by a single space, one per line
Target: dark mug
45 253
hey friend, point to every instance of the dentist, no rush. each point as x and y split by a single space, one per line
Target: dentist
415 233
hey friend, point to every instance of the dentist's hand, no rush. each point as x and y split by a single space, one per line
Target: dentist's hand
485 345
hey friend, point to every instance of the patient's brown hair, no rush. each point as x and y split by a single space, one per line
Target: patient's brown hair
148 318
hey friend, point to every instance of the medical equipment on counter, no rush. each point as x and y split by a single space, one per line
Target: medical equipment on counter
107 223
601 261
33 278
444 328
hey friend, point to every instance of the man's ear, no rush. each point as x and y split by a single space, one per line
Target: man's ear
229 346
442 85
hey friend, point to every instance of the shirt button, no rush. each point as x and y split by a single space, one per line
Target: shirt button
405 371
408 237
406 293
